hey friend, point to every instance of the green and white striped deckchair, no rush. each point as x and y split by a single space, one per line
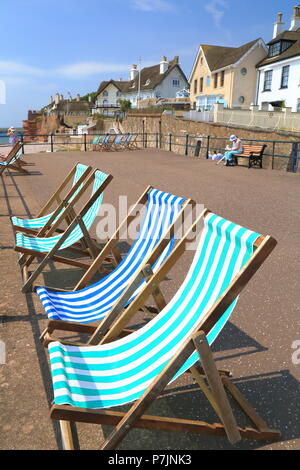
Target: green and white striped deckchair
44 221
47 247
88 381
12 161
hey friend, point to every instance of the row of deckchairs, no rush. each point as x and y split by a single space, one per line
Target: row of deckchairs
115 142
116 366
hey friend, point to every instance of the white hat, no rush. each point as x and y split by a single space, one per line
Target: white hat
233 137
11 128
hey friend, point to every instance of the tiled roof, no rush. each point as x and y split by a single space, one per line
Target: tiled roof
219 57
150 78
292 51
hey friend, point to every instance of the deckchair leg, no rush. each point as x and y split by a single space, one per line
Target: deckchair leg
217 388
69 435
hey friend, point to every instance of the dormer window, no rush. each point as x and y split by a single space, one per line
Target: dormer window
279 47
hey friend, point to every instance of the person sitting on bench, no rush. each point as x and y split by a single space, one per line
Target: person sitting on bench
236 149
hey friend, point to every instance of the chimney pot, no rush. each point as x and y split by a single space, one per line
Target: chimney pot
133 72
164 65
295 23
279 25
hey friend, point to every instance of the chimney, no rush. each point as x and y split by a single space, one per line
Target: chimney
78 97
51 99
278 26
133 72
61 97
56 98
163 65
295 24
176 60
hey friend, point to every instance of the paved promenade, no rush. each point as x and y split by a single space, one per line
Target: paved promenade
256 345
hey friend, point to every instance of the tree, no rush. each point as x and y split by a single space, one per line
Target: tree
125 105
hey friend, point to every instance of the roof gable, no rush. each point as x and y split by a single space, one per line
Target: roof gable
220 57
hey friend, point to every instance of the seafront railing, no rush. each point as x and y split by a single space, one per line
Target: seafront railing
279 154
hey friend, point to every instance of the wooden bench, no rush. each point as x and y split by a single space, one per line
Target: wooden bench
254 153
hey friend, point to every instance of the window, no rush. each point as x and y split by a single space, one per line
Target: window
201 61
268 80
244 71
215 80
279 47
298 105
195 86
222 78
118 93
201 85
105 93
176 82
208 81
275 49
285 76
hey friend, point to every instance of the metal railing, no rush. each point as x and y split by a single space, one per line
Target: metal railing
279 154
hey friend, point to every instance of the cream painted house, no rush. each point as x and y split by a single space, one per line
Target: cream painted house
225 75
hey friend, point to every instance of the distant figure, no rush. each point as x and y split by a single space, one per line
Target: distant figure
13 139
236 148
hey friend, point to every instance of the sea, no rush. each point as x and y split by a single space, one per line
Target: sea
3 138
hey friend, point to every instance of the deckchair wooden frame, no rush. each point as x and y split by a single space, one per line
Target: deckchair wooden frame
16 165
111 246
62 202
51 255
97 332
66 208
217 380
118 146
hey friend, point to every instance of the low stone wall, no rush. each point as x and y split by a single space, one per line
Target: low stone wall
179 128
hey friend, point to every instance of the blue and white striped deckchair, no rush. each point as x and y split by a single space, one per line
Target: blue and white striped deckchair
78 173
95 302
137 367
47 247
12 161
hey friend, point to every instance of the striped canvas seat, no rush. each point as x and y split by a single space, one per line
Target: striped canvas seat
44 245
41 221
13 160
94 302
119 372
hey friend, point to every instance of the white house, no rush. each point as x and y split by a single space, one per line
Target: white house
164 80
278 81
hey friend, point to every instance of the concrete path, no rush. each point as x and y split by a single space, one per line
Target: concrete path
256 346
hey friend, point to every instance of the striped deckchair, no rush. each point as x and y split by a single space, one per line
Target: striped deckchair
153 245
12 161
44 221
117 144
88 381
47 247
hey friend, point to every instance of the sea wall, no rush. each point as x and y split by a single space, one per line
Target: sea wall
179 128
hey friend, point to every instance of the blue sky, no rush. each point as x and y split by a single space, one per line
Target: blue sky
54 46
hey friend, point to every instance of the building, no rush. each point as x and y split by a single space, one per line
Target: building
279 73
164 80
225 75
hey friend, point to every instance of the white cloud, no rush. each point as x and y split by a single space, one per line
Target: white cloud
216 9
83 69
152 5
9 68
